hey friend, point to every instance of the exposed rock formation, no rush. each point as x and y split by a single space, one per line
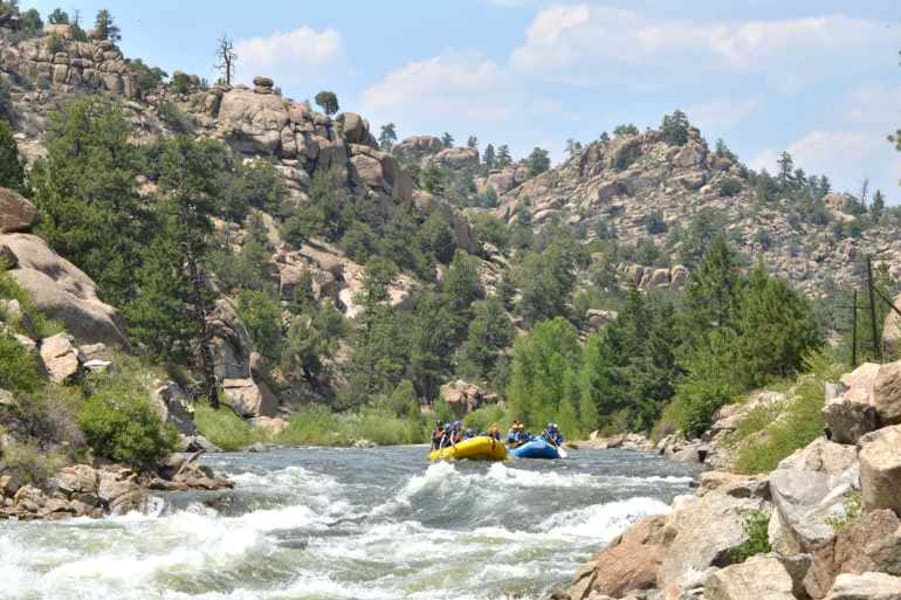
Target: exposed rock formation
62 291
16 213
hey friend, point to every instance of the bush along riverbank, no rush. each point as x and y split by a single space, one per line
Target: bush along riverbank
805 503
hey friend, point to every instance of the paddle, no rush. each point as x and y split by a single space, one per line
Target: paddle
560 451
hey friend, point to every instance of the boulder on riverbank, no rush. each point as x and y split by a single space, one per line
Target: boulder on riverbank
83 490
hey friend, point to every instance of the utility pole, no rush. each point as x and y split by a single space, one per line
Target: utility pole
854 331
871 293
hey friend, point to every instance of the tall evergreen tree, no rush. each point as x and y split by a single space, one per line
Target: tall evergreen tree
12 171
387 137
89 207
488 157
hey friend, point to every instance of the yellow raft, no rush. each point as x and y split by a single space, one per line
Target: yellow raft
477 448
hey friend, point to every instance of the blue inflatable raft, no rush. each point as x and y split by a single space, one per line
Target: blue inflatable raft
537 448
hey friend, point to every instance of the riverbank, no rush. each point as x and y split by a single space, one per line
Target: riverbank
823 523
83 490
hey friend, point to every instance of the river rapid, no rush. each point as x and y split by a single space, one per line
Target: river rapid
348 523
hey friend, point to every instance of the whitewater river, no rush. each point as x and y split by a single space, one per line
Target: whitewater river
342 523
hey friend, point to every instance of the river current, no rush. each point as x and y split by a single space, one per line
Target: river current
348 523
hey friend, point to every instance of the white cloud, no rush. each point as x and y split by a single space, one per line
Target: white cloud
288 56
847 156
511 3
445 86
720 115
578 41
855 148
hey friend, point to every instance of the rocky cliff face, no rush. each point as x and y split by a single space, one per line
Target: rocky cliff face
640 187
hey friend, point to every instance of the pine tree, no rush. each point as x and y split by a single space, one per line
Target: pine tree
105 28
786 167
488 157
675 127
878 207
447 140
472 142
189 184
538 162
12 171
387 137
503 156
328 102
89 208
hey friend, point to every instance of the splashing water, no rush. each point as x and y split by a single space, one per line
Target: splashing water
330 523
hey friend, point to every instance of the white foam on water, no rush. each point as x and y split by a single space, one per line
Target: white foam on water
602 522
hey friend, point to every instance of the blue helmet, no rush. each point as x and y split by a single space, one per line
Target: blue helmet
458 423
469 432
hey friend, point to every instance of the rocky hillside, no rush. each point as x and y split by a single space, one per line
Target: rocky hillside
823 524
662 197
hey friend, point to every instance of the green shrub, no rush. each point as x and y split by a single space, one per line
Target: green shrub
48 418
729 186
19 370
671 418
756 526
174 117
852 504
483 418
35 323
320 426
226 429
800 423
29 464
123 426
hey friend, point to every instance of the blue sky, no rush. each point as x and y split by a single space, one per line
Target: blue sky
819 78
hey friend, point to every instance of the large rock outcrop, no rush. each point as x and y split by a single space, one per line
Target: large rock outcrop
16 213
880 469
90 65
807 490
759 578
62 291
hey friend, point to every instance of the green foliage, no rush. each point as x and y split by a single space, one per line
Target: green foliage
30 22
675 127
29 464
625 154
88 206
654 223
481 419
19 370
105 28
226 429
629 367
543 382
33 323
387 137
538 162
489 332
491 229
182 83
123 426
852 505
58 17
729 186
261 314
327 101
546 279
756 525
625 129
172 116
800 422
7 108
320 426
436 238
147 78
